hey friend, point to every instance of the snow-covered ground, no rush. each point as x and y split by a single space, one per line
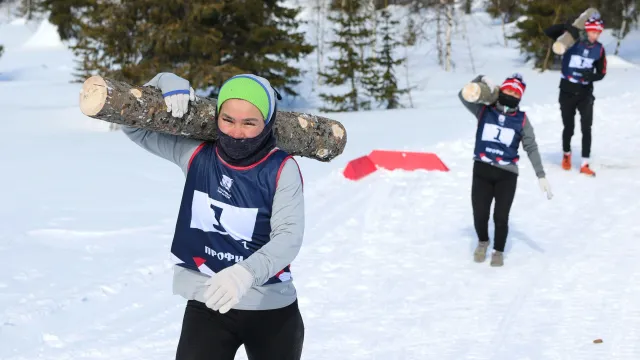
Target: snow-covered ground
386 271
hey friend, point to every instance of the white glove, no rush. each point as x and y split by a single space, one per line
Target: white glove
545 187
178 103
176 92
227 287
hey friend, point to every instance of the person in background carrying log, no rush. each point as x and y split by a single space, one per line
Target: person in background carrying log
502 126
582 64
239 227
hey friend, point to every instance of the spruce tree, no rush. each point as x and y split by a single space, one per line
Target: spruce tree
110 40
383 84
1 50
204 41
348 68
176 36
263 37
132 40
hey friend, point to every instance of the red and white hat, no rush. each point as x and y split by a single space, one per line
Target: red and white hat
594 24
514 82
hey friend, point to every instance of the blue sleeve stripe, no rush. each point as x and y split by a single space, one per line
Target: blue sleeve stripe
176 92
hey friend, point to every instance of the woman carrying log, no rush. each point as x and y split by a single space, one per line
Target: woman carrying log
502 126
239 227
582 64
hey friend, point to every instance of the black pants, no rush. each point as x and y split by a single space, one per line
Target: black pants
266 334
569 103
490 182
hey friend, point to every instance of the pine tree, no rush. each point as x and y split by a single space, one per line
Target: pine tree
175 36
1 50
540 15
383 85
111 39
132 40
348 68
203 41
263 37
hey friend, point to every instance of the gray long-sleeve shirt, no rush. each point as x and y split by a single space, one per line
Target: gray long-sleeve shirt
287 229
528 138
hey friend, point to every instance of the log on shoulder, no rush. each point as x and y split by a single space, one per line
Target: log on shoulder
117 102
565 41
479 92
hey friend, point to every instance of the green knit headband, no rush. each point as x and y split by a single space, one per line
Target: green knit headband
251 88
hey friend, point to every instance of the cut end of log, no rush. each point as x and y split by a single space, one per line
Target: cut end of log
471 92
559 48
337 131
93 95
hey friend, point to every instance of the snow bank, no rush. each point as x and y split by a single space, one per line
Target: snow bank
617 61
45 37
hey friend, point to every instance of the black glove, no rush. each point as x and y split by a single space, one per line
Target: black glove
587 74
574 31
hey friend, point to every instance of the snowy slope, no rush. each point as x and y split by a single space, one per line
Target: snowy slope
86 221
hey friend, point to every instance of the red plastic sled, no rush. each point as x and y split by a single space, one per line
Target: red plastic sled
392 160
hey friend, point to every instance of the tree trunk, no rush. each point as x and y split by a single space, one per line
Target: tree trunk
374 27
406 72
29 7
621 34
439 34
354 92
117 102
504 30
448 36
319 36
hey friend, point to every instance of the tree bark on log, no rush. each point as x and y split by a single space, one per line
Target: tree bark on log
565 40
117 102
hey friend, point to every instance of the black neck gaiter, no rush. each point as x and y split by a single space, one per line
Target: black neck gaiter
245 152
510 103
